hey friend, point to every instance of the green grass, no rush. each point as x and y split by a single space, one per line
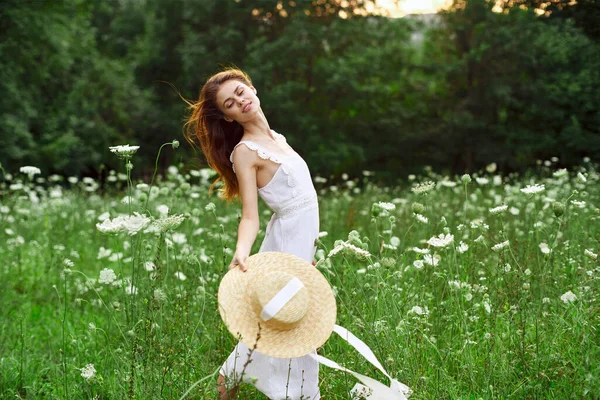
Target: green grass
469 327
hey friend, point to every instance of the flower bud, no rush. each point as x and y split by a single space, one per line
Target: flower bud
418 208
175 143
466 178
558 208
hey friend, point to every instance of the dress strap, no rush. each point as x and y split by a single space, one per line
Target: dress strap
262 152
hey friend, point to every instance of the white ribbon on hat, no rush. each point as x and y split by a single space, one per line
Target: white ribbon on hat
281 298
374 390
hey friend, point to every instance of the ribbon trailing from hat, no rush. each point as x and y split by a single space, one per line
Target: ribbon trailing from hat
374 390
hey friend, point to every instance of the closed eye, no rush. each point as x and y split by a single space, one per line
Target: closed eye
239 94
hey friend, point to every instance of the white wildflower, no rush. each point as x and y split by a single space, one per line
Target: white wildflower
168 223
487 307
131 224
590 254
448 183
568 297
499 209
124 151
107 276
179 275
441 240
418 310
560 173
421 218
423 187
462 247
131 289
418 264
482 181
162 209
387 206
149 266
533 189
499 246
30 171
88 372
103 253
432 260
544 248
491 168
420 251
210 207
581 178
179 238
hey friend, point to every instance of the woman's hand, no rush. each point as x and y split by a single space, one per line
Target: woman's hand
239 258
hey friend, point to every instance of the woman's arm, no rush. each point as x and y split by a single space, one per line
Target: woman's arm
245 161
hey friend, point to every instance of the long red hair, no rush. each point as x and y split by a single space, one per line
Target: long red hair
217 137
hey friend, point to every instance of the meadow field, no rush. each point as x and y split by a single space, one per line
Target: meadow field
465 287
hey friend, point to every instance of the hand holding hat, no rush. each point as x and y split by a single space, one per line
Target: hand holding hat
295 307
239 258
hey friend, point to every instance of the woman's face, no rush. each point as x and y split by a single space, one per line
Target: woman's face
237 101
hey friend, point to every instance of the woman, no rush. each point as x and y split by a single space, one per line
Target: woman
253 160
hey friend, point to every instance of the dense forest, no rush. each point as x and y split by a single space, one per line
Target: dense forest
506 81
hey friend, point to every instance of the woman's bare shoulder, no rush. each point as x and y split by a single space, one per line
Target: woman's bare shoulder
244 156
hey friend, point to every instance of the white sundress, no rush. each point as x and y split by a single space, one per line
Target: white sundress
293 228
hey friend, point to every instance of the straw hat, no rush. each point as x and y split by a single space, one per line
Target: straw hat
289 297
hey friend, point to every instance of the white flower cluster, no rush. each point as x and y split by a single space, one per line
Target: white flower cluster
590 254
432 260
423 187
107 276
421 218
499 209
124 151
568 297
500 246
544 248
345 246
462 247
560 173
420 251
448 183
419 310
533 189
31 171
169 223
441 240
131 224
88 372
